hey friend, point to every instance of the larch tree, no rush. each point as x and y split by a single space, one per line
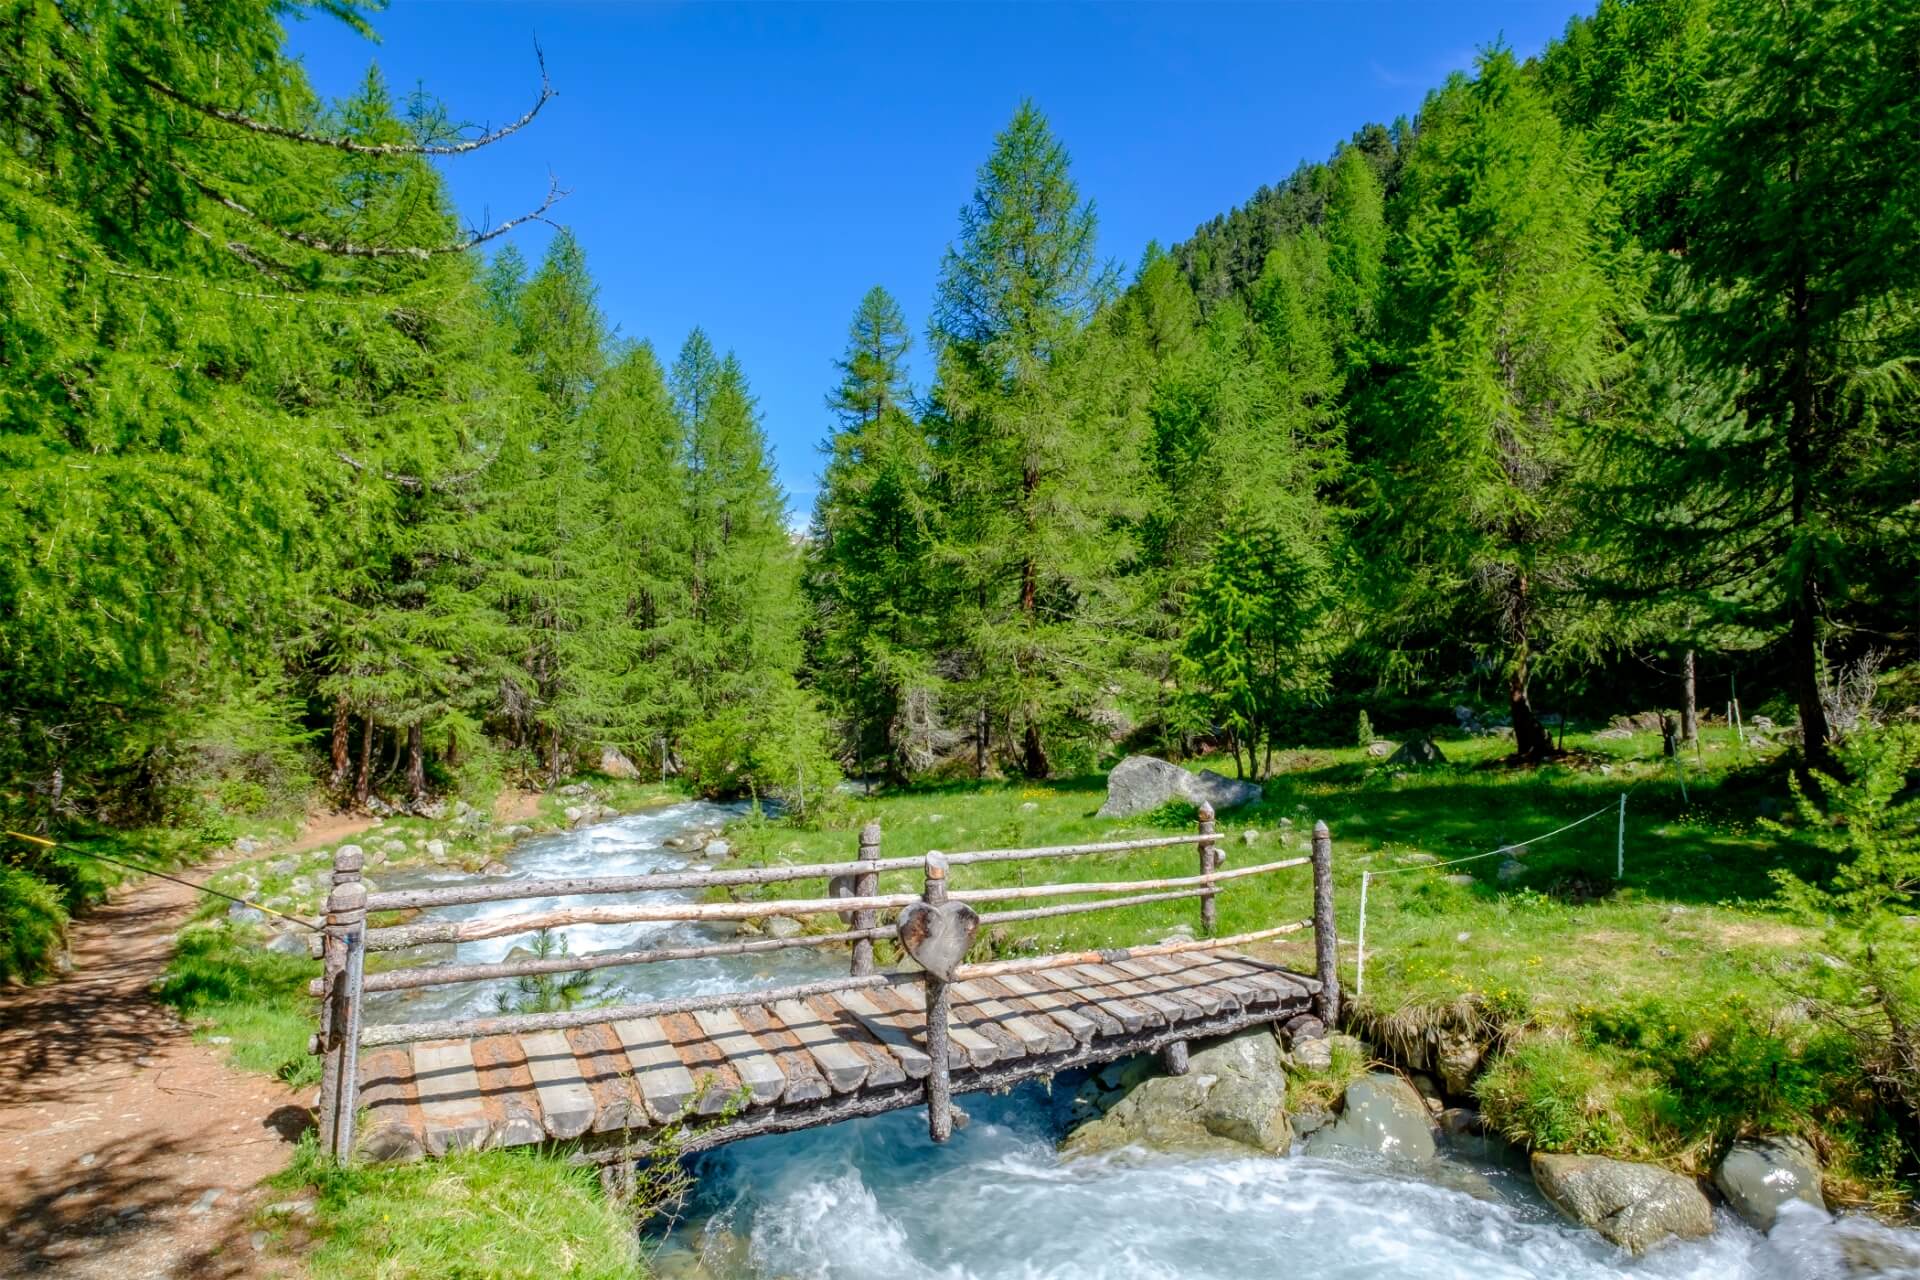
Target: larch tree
1500 335
1031 486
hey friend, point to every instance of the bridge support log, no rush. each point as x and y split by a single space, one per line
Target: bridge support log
344 976
1326 1001
866 885
1209 863
1174 1058
939 1021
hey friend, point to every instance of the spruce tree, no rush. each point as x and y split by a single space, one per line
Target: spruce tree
870 575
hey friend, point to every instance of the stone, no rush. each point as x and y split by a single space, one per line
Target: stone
1636 1206
1141 784
1380 750
1300 1028
395 846
432 810
1030 806
1232 1097
572 813
495 867
241 913
574 789
784 927
1759 1176
1510 870
1383 1115
614 763
1457 1056
287 944
208 1198
1250 836
1461 879
437 850
283 866
516 831
1314 1055
1248 1102
246 844
717 849
1417 753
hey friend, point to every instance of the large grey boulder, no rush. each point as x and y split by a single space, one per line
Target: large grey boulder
1382 1115
1233 1096
1636 1206
614 763
1758 1177
1417 752
1141 784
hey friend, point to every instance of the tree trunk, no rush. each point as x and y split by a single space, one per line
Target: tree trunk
341 755
363 777
1689 710
980 747
1033 754
1531 742
416 763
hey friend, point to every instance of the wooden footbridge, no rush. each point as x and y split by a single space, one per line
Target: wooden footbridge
710 1069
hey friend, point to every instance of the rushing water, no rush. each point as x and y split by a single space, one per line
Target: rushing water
874 1198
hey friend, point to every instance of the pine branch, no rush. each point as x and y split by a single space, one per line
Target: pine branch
348 249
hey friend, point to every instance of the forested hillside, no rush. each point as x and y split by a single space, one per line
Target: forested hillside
1597 376
1606 359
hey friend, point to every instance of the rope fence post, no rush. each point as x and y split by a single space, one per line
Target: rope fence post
866 885
1360 943
1209 859
1620 845
1327 1002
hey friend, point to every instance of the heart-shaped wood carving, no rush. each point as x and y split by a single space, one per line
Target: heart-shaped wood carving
844 887
938 937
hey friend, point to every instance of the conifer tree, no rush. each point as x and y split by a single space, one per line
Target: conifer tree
1501 329
870 576
1031 485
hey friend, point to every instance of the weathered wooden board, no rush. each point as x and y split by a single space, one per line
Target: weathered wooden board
394 1128
617 1104
977 1048
841 1064
883 1068
663 1080
889 1025
757 1069
506 1091
803 1079
1035 1035
1065 1001
449 1092
1193 990
1048 1009
566 1104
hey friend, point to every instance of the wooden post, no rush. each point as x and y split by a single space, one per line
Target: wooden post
1327 1003
1209 859
1174 1058
345 971
866 886
939 1016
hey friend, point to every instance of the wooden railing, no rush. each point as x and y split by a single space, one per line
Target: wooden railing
934 927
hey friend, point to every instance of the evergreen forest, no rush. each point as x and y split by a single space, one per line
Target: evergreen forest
1598 375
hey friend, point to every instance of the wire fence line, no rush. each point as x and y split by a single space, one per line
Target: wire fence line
1367 877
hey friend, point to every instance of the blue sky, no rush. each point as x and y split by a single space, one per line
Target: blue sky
755 168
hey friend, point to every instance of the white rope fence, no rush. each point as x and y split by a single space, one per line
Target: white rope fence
1366 877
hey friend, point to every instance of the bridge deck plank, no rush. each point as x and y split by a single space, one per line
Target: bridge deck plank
800 1062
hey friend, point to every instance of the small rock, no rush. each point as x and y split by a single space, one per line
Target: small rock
1030 806
1459 878
936 817
495 867
784 927
1314 1055
437 850
1179 933
717 849
219 1039
259 1241
1757 1177
246 844
572 813
283 866
516 831
395 846
302 1208
574 789
88 1160
1249 836
1636 1206
208 1198
1463 936
1380 750
241 913
1457 1056
1511 869
287 944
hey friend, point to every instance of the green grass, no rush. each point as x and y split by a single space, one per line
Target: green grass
1649 1018
226 984
497 1215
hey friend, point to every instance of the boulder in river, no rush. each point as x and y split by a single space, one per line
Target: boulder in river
1233 1096
1383 1115
1759 1176
1636 1206
1141 784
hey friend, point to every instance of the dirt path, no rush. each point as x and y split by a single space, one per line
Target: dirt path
127 1150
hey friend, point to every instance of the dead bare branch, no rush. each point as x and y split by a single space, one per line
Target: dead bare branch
348 249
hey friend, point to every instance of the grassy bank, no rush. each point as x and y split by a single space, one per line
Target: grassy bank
1653 1016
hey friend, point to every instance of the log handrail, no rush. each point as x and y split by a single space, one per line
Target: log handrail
656 881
